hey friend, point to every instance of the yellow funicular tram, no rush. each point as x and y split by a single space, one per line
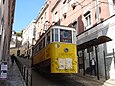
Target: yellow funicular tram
56 50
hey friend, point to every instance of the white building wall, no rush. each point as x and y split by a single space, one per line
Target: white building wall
28 38
111 7
13 40
106 28
110 47
111 34
28 33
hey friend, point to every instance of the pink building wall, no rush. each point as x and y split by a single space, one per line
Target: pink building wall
72 15
78 12
43 16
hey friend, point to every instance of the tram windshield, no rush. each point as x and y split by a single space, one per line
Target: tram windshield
65 36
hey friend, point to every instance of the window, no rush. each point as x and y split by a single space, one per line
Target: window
65 36
40 45
87 17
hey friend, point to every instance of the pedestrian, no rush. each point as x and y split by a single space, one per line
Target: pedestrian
13 58
93 66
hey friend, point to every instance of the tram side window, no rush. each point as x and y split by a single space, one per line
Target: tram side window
52 35
43 42
37 47
56 35
35 50
48 38
66 36
40 45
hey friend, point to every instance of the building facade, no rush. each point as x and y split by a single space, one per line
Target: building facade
43 20
93 21
16 43
7 8
71 12
28 38
13 40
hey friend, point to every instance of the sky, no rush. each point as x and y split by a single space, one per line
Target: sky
25 12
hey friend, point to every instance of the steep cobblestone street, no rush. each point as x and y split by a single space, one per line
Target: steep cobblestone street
14 77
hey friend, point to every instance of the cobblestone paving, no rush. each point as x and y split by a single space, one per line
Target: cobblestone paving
14 76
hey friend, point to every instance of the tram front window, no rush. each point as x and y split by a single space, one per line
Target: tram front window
66 36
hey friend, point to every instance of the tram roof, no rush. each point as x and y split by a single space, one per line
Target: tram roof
51 27
94 42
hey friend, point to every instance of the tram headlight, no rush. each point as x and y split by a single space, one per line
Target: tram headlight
66 50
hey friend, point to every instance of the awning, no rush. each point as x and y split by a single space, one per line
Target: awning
94 42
